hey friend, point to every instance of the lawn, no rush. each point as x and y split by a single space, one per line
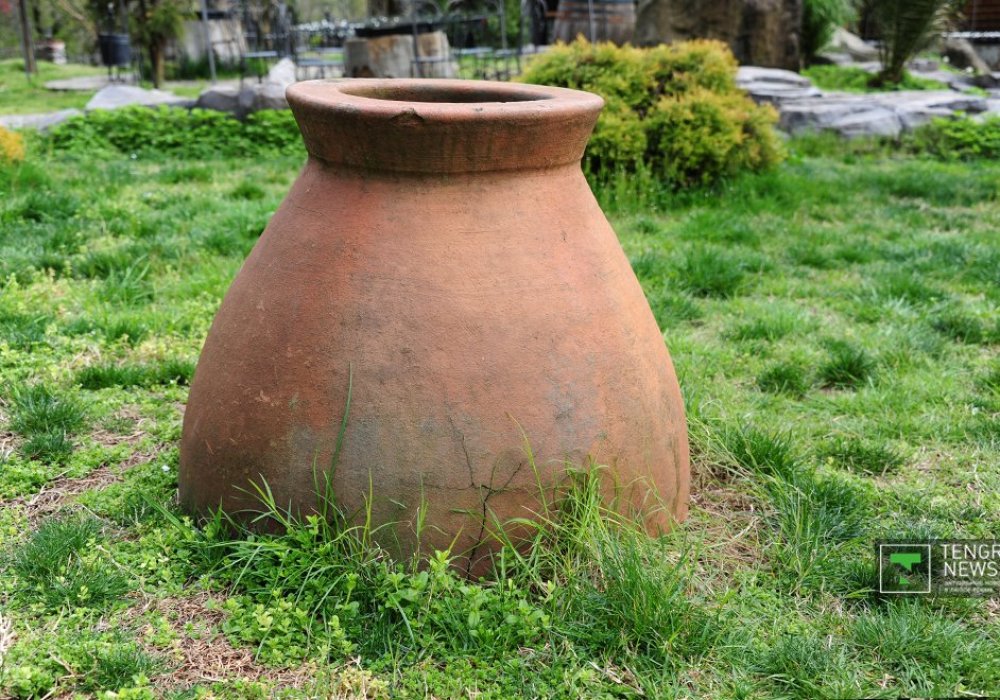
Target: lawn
21 95
835 330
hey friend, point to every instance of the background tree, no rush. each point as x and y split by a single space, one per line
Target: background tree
905 27
154 24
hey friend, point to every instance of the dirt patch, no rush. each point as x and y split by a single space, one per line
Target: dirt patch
63 490
201 654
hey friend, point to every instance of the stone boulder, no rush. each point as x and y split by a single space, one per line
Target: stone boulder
220 98
774 85
118 96
875 114
282 73
241 100
843 42
759 32
42 122
961 54
395 56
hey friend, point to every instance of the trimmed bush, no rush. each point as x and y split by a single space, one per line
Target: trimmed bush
196 133
673 109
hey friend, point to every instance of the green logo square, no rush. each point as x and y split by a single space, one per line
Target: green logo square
904 568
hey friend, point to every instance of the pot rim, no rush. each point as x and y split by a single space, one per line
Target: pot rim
442 125
375 95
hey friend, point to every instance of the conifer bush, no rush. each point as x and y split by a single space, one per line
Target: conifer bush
673 109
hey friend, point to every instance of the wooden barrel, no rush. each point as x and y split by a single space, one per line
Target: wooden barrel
596 20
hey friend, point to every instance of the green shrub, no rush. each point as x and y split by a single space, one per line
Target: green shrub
195 133
674 109
854 79
958 139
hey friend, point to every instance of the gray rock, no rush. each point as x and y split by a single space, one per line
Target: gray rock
820 114
282 73
84 83
42 122
961 54
760 32
875 114
270 96
837 58
854 46
753 74
775 85
117 96
221 98
877 121
241 101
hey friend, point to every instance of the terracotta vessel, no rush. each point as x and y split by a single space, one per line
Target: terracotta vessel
442 253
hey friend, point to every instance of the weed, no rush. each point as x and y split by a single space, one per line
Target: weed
649 266
784 378
130 375
761 452
847 366
671 309
45 419
248 190
876 458
711 272
128 286
58 567
119 665
959 325
770 327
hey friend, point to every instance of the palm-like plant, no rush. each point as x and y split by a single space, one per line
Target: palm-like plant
905 27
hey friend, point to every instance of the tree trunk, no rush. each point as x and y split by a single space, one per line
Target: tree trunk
157 51
27 44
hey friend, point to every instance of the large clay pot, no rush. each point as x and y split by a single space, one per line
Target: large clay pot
442 253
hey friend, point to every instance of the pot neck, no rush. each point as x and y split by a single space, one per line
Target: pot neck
442 126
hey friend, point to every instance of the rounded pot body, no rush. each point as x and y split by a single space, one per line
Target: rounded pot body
441 281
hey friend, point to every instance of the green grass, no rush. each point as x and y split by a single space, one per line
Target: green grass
834 328
851 79
21 95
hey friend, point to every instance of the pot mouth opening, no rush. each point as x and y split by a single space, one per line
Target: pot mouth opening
442 93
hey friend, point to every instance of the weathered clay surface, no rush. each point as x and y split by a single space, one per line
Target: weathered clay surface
442 249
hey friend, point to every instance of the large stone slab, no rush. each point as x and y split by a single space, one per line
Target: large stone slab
282 73
41 122
118 96
876 114
220 98
83 83
843 42
775 85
